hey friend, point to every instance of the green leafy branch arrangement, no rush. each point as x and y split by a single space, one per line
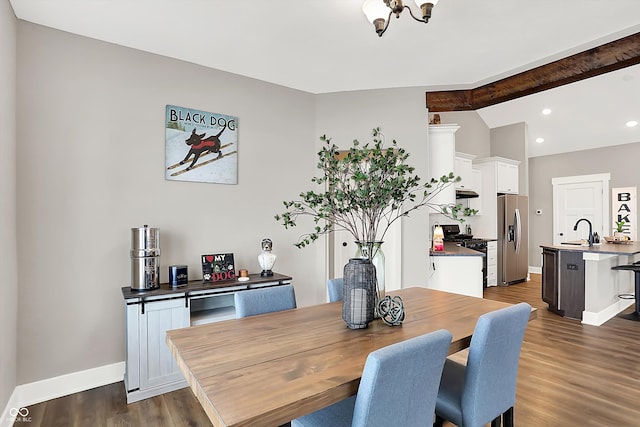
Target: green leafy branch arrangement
365 191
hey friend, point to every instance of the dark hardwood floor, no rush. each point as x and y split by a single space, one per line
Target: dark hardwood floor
570 375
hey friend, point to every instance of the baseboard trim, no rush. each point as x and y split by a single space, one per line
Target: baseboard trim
599 317
535 270
40 391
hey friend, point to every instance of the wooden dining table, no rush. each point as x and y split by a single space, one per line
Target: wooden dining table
268 369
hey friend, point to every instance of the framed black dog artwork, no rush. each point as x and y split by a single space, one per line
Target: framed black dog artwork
200 146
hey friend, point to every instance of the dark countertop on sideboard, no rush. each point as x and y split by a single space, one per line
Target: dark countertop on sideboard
199 285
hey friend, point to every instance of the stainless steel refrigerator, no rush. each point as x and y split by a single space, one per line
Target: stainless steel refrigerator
513 239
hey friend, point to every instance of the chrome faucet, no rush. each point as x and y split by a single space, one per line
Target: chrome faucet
575 228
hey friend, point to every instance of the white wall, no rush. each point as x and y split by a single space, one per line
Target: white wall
8 254
90 162
402 115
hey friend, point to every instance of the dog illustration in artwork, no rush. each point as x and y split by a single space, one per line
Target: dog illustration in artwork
200 146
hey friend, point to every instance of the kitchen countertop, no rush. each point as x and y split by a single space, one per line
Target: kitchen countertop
452 249
603 248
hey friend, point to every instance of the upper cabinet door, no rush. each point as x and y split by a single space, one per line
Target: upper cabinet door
507 178
463 169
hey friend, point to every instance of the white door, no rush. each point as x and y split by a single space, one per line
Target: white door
157 364
344 248
577 197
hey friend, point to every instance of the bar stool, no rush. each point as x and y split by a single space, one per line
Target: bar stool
636 269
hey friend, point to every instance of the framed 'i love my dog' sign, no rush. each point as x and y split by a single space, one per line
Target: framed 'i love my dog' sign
200 146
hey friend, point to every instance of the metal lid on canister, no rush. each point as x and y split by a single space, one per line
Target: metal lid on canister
145 241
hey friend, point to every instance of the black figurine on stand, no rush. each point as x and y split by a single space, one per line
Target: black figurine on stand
266 259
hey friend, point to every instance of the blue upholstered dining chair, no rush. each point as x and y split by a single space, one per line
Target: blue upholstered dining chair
485 390
335 289
264 300
398 387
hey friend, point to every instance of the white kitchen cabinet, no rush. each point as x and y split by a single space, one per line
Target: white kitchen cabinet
151 369
457 274
494 183
442 149
476 202
464 169
507 177
499 174
492 263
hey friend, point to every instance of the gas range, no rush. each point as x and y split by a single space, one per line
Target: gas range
452 234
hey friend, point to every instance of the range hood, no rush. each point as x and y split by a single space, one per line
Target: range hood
466 194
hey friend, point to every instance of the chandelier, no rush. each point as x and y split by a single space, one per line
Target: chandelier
379 12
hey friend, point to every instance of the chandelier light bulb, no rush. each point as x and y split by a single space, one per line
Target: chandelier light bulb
375 9
379 12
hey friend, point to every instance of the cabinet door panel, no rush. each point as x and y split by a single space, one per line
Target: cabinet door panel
507 178
549 278
476 203
132 347
157 365
463 169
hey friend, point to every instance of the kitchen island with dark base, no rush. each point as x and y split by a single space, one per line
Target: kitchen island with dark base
580 282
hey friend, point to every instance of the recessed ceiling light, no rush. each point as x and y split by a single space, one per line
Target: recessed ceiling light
546 111
632 123
539 140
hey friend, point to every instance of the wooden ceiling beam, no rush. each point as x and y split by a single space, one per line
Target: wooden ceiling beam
612 56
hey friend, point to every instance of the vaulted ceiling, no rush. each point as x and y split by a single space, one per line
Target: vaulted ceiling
329 46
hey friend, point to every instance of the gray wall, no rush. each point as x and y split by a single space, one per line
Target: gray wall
8 255
90 167
510 142
402 115
90 164
473 137
618 160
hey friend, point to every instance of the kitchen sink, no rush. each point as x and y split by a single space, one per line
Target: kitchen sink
575 243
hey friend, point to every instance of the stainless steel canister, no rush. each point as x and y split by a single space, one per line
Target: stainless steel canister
145 258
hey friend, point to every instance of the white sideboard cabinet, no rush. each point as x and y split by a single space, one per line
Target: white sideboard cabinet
151 369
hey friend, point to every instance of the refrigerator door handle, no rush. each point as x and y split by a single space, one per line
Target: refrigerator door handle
518 230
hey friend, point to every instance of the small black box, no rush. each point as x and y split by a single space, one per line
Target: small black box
178 275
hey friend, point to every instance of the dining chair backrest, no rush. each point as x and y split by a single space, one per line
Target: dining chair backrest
400 382
398 387
264 300
492 365
335 289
